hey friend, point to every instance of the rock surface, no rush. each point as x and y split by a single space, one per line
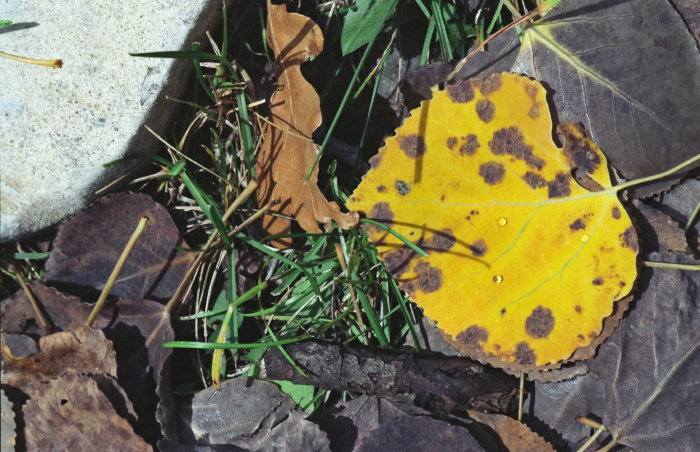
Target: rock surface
59 126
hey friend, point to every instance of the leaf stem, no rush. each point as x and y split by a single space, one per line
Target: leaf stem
115 272
35 304
654 177
689 267
49 63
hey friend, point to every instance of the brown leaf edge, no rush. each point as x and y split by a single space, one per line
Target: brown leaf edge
287 153
514 435
551 372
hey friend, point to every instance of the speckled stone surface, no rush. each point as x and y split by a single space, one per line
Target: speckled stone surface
59 126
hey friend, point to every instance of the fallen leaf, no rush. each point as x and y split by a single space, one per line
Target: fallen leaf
643 383
629 71
515 435
88 245
419 434
288 153
252 415
85 350
72 413
658 231
523 263
138 329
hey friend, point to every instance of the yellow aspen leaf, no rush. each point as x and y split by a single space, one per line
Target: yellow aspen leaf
287 154
523 264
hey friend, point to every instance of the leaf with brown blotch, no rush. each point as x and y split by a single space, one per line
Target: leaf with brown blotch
523 263
89 243
643 385
72 413
515 435
288 152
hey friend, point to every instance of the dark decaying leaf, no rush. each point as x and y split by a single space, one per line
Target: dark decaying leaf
643 383
85 350
72 413
347 424
629 71
251 415
657 231
513 434
89 243
414 434
138 330
437 383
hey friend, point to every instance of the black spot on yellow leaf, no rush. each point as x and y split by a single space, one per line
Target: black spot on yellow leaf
412 145
524 354
461 91
616 214
381 189
622 284
381 212
402 187
443 241
429 277
451 142
534 180
578 151
473 336
470 145
478 248
559 187
509 140
577 225
534 112
578 308
598 281
486 110
409 288
540 323
580 338
375 161
492 172
628 239
398 261
488 84
531 91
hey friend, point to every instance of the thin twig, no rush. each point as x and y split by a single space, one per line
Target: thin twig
115 272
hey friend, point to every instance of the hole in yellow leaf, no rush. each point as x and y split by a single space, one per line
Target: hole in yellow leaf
498 279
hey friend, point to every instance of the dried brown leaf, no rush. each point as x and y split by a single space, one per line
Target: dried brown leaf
89 243
72 413
515 435
288 152
85 350
138 329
